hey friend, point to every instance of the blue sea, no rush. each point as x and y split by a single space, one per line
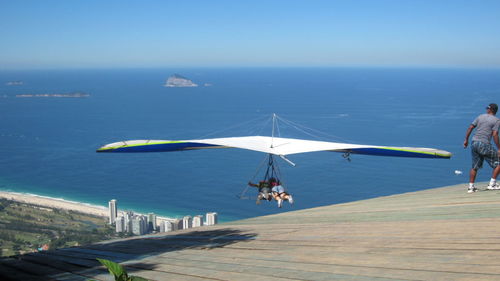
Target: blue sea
47 145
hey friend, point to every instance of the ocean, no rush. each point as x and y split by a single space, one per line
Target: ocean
47 145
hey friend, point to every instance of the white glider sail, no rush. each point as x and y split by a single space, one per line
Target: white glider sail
272 145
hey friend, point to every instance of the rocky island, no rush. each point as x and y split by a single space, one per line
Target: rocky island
178 81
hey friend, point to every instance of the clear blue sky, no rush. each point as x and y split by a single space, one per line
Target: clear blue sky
110 34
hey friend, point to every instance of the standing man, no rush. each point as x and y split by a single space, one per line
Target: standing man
487 127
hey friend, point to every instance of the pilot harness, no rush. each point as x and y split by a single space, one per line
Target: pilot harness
272 171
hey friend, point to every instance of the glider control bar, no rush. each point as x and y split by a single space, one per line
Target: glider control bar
287 160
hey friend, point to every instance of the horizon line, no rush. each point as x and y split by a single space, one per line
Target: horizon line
449 67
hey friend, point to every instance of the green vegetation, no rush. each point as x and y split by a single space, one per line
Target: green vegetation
25 228
119 272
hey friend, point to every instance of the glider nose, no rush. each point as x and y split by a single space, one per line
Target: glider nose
102 149
110 147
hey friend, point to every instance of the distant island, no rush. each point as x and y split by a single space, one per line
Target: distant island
55 95
179 81
14 83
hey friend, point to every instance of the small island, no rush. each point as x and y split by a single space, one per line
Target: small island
55 95
179 81
14 83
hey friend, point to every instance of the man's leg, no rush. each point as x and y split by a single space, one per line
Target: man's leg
493 181
472 179
477 163
472 175
493 161
496 172
259 197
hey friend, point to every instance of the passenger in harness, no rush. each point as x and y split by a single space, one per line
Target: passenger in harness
264 190
279 193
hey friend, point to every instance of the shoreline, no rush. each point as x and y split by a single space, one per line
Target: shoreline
64 204
57 203
60 203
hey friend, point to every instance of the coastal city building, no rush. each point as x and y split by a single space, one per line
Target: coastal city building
212 218
120 224
144 222
198 221
187 222
178 224
113 211
152 222
138 224
128 221
169 226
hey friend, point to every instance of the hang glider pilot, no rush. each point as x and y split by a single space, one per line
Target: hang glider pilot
264 190
279 193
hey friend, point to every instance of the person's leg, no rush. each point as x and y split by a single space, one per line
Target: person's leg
472 179
280 202
496 172
275 196
287 197
472 175
493 181
259 197
278 199
491 156
477 163
496 162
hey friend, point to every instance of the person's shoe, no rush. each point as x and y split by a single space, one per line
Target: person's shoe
257 202
493 186
471 190
280 203
290 199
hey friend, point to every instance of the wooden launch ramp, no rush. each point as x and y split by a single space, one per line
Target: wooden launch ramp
436 234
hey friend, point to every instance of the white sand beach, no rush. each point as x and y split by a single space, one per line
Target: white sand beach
55 203
59 203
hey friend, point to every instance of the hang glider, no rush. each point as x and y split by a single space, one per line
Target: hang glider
272 145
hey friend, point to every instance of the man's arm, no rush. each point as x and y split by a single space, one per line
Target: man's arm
467 135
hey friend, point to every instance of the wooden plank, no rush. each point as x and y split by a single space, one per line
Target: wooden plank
67 276
368 267
11 273
30 268
84 255
82 262
99 273
97 249
269 270
190 271
53 263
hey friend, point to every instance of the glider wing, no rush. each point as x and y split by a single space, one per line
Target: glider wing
272 145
